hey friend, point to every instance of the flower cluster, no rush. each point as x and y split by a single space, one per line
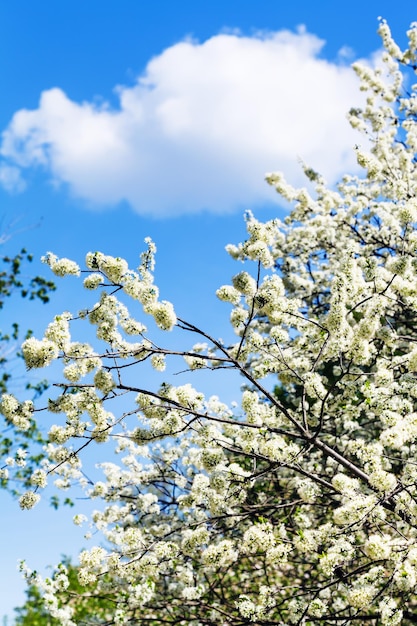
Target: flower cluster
61 267
19 414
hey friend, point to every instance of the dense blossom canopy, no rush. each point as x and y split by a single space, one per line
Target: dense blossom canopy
299 505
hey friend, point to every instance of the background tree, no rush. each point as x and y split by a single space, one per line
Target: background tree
33 613
12 282
14 457
299 504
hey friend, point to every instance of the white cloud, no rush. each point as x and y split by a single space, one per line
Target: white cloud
200 127
11 179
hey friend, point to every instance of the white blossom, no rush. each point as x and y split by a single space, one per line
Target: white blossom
61 267
28 500
39 353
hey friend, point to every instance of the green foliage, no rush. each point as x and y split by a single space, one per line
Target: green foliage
33 612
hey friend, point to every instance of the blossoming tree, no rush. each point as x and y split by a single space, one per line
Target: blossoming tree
299 504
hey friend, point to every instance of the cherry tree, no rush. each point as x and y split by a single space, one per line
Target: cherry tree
297 504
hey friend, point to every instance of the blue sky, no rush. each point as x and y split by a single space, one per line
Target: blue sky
127 119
